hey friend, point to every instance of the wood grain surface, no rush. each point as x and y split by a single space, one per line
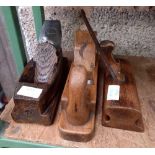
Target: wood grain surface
124 113
43 109
144 71
77 121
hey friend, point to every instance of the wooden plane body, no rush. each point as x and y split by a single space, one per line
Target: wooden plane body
40 110
78 101
121 108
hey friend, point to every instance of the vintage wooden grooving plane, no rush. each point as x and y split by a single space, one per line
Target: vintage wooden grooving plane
78 101
125 112
40 86
121 106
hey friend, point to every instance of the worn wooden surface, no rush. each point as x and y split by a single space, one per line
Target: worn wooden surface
144 69
107 47
77 121
41 110
84 51
124 113
84 131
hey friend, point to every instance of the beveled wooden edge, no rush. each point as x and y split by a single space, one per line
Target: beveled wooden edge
134 111
70 132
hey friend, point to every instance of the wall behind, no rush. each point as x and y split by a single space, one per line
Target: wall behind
131 28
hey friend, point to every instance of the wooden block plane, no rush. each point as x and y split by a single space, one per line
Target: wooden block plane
40 86
121 107
78 101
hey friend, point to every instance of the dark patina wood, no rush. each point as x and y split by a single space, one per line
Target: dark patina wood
48 71
43 109
124 113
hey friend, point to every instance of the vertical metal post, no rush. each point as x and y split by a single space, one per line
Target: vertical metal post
14 36
38 14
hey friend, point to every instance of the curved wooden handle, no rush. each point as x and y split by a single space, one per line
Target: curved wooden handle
77 110
107 47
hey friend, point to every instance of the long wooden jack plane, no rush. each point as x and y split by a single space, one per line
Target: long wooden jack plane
78 101
40 86
121 106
